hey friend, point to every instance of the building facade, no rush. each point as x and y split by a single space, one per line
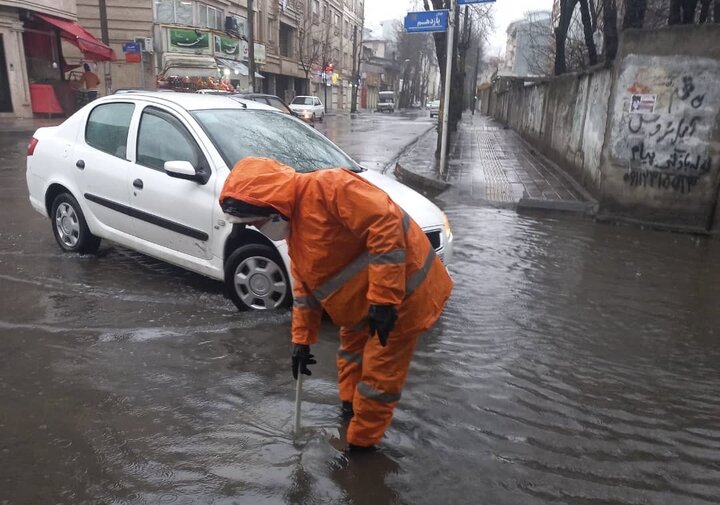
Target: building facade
35 37
191 44
528 48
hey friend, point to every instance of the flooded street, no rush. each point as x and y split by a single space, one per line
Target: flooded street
575 363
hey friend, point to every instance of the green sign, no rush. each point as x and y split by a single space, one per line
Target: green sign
227 47
189 41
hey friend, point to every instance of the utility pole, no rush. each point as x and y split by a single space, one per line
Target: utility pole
474 90
448 80
107 77
353 94
251 44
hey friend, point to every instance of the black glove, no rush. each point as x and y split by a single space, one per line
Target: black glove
381 319
301 358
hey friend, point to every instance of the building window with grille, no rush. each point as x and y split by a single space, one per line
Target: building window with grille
174 12
287 36
210 17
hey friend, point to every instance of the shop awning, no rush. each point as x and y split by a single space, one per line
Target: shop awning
241 68
189 65
92 48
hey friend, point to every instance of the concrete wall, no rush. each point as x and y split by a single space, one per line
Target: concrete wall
660 163
663 164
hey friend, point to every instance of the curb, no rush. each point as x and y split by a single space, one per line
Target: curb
577 207
425 185
405 149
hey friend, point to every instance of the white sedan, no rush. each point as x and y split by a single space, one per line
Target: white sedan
145 170
308 108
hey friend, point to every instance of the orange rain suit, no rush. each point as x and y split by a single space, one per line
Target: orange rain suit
351 246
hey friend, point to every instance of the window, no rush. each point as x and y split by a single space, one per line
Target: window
316 7
161 138
238 133
210 17
275 102
174 11
107 128
287 35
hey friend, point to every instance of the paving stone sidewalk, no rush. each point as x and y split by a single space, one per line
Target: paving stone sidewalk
492 165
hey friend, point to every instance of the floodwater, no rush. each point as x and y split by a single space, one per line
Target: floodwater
576 363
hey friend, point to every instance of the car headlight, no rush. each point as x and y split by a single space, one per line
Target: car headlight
446 222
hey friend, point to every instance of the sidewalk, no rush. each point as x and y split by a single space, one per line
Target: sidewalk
494 166
15 125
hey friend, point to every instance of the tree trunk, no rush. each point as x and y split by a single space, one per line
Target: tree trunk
634 14
704 10
610 29
716 11
587 29
566 11
688 11
675 15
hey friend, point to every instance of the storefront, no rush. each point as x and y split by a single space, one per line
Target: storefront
34 76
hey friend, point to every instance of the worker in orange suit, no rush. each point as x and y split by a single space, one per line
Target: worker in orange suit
357 255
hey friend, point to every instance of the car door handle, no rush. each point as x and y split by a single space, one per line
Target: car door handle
80 164
138 183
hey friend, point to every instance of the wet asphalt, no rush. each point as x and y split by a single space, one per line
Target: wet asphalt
576 363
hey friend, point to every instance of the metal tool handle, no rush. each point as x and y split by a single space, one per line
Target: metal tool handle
298 402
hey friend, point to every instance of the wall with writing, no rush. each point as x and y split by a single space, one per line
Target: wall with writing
663 150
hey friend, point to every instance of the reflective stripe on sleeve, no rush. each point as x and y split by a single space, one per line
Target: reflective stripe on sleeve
418 277
371 393
306 302
395 257
341 278
350 357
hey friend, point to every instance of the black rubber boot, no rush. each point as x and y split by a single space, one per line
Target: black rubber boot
346 410
360 449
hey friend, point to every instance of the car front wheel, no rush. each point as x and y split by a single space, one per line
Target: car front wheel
255 278
70 228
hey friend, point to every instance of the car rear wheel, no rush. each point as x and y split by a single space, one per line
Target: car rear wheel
70 228
322 116
255 278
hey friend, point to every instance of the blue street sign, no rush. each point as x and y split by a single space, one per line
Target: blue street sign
468 2
131 47
426 21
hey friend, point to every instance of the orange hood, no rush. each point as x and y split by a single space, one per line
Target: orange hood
263 182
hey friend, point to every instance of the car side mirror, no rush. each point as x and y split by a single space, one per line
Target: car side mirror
181 170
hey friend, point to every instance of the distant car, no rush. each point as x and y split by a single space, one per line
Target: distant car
144 170
386 101
434 108
308 108
271 100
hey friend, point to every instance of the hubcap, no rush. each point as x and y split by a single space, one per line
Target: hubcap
67 224
260 283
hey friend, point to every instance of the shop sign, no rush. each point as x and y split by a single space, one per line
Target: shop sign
189 41
227 47
259 53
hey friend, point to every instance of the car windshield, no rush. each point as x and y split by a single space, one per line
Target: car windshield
303 100
386 98
239 133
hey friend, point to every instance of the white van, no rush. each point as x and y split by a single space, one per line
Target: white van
386 101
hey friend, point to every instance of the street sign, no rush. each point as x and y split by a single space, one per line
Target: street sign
469 2
131 47
426 21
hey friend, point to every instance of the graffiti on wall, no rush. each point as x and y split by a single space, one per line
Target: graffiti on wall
667 147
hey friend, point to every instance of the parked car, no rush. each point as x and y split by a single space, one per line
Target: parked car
145 170
434 108
308 108
271 100
386 101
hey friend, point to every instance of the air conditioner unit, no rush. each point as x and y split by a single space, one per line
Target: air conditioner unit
146 44
231 25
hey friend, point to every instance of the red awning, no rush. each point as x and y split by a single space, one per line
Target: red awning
91 47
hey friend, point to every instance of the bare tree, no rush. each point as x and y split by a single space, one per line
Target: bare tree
634 13
308 52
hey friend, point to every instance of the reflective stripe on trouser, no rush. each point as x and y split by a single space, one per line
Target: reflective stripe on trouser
349 360
384 370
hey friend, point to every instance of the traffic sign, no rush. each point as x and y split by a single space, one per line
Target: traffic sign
131 47
426 21
469 2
